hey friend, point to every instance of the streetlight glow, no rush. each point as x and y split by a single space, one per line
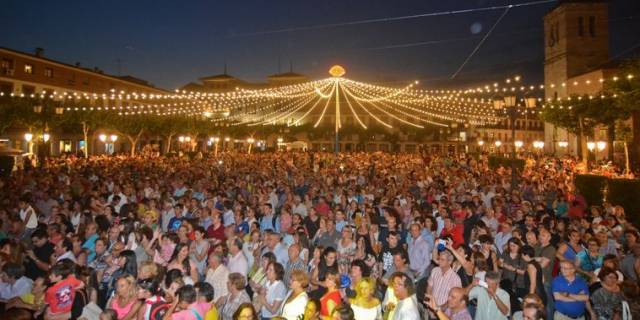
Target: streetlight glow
113 138
601 145
518 143
498 143
102 137
591 145
28 136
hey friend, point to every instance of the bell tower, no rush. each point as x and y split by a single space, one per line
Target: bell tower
576 41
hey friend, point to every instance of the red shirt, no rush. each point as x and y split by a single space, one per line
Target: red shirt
60 296
456 234
216 233
333 296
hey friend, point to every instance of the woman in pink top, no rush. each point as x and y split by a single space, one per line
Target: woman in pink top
125 301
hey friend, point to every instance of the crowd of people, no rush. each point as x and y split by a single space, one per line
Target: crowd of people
302 236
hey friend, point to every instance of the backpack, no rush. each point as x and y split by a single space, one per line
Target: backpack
158 310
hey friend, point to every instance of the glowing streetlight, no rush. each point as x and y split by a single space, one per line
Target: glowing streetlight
113 138
481 143
102 137
518 144
250 141
28 136
591 145
46 137
563 144
601 145
498 143
181 139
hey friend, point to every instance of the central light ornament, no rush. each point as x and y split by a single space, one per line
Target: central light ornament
337 71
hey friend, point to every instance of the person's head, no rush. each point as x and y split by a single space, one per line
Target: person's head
568 269
275 272
402 285
445 259
332 280
148 270
533 311
493 280
531 298
366 287
215 259
126 286
61 270
39 238
245 312
329 256
236 282
186 296
147 288
199 233
544 236
63 247
312 309
342 312
400 260
11 272
294 252
235 246
128 262
608 276
393 238
593 246
359 269
457 299
299 280
514 245
205 291
527 252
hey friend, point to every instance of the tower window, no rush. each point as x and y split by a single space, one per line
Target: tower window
580 26
592 26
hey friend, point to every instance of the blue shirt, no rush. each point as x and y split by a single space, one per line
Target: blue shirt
573 309
90 244
267 222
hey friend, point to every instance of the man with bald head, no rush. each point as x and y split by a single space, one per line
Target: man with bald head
294 263
456 307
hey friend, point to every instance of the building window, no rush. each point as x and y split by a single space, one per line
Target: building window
6 64
48 72
580 26
592 26
28 68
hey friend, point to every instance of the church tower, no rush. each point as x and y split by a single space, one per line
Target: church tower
576 36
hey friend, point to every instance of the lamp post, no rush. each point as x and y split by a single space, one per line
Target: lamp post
29 138
250 141
509 104
480 145
103 139
280 141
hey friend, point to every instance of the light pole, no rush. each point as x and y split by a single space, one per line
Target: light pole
103 139
280 141
250 141
480 145
29 138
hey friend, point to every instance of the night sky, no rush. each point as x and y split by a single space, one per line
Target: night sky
171 43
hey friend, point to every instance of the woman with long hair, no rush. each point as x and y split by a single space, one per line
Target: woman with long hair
180 260
533 275
332 298
271 296
245 311
125 300
513 267
365 305
327 264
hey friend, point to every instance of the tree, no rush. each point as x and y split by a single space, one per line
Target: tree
623 133
131 126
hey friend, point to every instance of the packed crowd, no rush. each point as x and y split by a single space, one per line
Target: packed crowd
311 236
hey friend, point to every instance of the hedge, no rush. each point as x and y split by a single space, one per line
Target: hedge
591 187
496 162
626 193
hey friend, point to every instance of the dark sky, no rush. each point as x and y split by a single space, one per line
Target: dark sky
170 43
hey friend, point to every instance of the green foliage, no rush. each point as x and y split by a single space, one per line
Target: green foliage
626 192
591 187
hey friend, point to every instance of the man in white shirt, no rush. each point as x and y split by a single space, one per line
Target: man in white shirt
237 262
217 275
493 302
63 250
404 290
14 284
28 216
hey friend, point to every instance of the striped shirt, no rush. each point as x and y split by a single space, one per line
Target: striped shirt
441 283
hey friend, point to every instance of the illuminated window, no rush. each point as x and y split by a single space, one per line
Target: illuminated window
28 69
48 72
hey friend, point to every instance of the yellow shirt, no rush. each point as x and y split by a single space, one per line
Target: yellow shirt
212 314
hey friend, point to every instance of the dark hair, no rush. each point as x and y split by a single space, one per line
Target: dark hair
150 285
146 231
13 270
185 263
604 272
187 294
171 276
246 305
278 269
343 311
62 268
528 251
269 256
200 229
205 289
67 244
40 234
366 271
130 264
485 238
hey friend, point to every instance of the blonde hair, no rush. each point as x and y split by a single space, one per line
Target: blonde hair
132 284
301 277
150 213
368 281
